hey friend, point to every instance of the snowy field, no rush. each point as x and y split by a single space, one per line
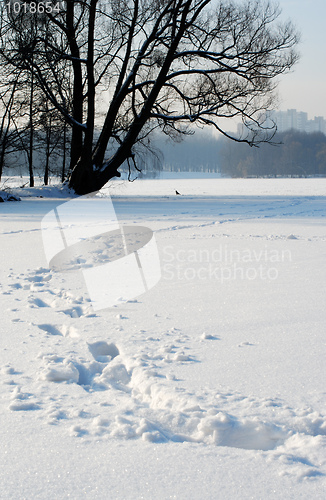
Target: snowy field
211 385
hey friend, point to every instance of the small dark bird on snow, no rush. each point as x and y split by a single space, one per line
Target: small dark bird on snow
177 192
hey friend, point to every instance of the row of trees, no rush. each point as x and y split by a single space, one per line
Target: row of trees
294 153
33 138
161 64
198 152
33 134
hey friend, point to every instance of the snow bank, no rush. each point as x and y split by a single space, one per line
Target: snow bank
5 196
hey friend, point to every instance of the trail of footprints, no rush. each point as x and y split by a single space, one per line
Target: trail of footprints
42 294
99 390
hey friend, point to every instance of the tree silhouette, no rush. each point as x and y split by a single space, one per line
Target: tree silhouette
164 64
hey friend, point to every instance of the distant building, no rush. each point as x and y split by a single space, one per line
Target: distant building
298 120
291 119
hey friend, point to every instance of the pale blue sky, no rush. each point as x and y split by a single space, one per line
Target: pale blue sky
305 88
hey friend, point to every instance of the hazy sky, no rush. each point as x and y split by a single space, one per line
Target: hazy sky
305 88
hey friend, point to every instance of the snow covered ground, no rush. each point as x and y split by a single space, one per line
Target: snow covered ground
209 385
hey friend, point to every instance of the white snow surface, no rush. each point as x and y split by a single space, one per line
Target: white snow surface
211 385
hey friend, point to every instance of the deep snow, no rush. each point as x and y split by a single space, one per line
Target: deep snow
209 385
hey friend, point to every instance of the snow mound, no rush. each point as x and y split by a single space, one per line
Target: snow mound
4 196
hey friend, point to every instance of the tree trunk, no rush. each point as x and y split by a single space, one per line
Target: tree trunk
31 135
46 171
2 155
4 141
84 179
77 104
47 156
63 168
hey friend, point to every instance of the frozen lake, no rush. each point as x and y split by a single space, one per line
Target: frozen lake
209 385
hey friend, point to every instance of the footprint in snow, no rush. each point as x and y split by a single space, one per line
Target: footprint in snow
71 371
51 329
74 312
36 302
102 351
39 279
111 372
15 286
62 330
78 311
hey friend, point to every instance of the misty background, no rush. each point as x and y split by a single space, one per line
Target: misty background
295 152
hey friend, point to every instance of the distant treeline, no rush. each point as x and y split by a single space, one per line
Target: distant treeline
198 152
296 153
293 153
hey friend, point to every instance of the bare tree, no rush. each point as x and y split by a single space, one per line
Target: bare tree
12 110
166 64
7 102
49 136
